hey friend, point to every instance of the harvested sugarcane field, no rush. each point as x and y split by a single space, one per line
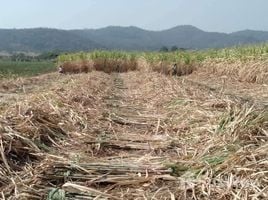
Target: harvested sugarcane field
138 125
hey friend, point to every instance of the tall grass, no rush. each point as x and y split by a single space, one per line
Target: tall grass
246 63
120 61
107 61
243 53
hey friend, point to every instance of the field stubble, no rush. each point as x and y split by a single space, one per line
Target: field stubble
133 135
139 134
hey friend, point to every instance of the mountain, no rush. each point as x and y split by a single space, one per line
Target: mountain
122 38
42 39
191 37
125 38
259 35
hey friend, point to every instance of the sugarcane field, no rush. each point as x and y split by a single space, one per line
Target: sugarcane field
133 100
120 125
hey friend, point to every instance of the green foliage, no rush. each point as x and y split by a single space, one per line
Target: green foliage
164 49
25 68
186 57
21 57
48 55
178 169
240 52
56 194
174 48
215 160
95 55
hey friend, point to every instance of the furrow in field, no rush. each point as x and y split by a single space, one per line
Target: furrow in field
140 136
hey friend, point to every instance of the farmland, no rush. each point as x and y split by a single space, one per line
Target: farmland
132 127
25 68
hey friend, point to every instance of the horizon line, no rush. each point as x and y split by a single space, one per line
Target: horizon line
129 26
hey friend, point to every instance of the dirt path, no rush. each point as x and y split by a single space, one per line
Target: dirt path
127 151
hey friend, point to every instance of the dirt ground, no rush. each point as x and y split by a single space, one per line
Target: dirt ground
133 135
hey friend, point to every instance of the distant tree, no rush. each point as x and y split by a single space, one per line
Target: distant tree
164 49
48 55
21 57
174 48
182 49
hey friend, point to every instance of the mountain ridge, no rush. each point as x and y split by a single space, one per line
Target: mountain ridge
129 38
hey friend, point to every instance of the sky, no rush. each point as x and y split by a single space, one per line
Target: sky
209 15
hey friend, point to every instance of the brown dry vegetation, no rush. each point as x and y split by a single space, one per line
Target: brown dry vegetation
251 71
247 69
99 64
167 68
120 65
76 67
114 65
135 135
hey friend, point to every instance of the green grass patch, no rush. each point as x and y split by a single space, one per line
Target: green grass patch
215 160
175 103
25 68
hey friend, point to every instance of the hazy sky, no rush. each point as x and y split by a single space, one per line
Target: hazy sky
209 15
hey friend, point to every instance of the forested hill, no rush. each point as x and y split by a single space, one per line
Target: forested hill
123 38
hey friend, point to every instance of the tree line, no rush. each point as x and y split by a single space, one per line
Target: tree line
172 49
